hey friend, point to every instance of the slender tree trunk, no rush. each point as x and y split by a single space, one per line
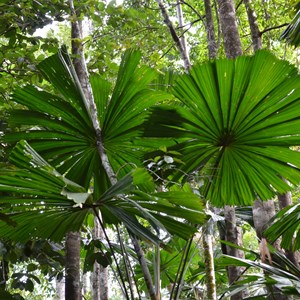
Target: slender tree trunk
233 235
82 73
255 33
72 266
263 211
100 280
182 49
231 37
210 30
207 241
181 26
233 48
147 276
86 284
100 274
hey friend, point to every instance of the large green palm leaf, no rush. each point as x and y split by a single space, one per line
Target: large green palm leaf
40 202
62 123
60 127
240 118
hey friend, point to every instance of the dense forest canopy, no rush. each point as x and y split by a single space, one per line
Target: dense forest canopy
149 149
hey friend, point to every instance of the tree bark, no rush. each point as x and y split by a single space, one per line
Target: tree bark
207 240
82 73
100 280
100 274
210 30
233 48
231 37
234 236
263 211
72 267
176 39
255 33
147 276
181 26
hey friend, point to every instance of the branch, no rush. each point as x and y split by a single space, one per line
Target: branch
193 9
238 5
174 35
143 263
272 28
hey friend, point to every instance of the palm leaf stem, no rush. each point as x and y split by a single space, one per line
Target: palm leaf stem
122 285
181 270
127 265
143 263
91 107
156 262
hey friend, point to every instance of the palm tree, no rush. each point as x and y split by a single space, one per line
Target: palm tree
51 195
235 125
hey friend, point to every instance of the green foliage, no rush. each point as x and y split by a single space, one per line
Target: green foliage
58 125
170 260
292 32
19 49
66 137
286 225
236 126
281 274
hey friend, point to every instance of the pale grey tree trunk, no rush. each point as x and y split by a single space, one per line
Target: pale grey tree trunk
207 232
86 284
82 73
181 26
146 273
60 289
72 267
252 19
263 211
99 274
207 241
210 30
233 48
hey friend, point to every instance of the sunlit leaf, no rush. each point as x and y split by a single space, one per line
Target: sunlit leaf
236 128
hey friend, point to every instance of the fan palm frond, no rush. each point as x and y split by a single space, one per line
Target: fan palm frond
238 123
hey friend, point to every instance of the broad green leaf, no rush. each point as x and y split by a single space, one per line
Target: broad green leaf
59 125
236 126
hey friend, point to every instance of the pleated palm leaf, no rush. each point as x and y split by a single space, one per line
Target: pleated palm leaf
286 224
292 33
46 200
282 274
40 202
64 131
236 125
